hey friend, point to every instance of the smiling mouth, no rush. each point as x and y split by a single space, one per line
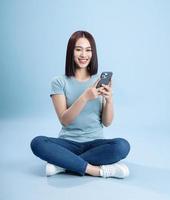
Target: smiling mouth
83 61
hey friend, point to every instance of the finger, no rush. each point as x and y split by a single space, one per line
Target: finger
100 89
95 84
109 93
106 87
105 92
99 93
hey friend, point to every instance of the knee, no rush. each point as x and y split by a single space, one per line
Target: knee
36 143
124 147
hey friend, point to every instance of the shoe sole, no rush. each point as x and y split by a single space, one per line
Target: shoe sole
125 169
51 170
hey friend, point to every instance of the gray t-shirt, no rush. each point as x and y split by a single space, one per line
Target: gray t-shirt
87 126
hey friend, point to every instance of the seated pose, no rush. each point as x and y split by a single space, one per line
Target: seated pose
83 109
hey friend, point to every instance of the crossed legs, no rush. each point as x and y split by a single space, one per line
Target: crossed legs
80 157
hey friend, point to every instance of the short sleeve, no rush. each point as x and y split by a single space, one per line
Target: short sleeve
57 86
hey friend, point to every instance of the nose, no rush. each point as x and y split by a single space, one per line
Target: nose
83 53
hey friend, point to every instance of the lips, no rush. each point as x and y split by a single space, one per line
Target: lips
83 61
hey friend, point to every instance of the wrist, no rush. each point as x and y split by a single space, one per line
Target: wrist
84 98
109 101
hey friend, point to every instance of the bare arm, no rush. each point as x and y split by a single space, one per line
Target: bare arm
107 113
66 116
107 106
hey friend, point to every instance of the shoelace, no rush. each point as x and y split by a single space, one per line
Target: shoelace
108 171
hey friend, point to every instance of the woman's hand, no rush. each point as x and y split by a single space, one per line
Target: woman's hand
92 92
106 92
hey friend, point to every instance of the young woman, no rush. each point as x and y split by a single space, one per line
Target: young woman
83 110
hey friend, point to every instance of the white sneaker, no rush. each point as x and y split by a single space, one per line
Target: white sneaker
117 170
53 169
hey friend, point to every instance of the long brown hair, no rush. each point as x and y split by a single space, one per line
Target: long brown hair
70 66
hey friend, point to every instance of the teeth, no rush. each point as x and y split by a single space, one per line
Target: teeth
83 60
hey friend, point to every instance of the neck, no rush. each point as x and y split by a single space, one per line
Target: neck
82 74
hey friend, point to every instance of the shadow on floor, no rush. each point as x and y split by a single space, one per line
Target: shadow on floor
151 178
144 177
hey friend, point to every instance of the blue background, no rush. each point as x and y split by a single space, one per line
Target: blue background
133 41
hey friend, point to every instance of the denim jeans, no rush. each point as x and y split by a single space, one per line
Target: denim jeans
74 156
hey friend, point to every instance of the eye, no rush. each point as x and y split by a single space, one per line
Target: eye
88 50
78 49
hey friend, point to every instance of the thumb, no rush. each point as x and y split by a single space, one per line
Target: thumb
95 84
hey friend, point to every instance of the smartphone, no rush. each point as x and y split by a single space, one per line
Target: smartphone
105 78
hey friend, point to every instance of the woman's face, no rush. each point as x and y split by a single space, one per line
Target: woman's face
82 53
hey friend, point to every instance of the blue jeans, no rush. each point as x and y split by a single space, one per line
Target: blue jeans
74 156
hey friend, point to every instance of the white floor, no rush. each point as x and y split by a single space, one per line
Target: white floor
22 175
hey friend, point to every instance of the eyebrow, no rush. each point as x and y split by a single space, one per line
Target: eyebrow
82 47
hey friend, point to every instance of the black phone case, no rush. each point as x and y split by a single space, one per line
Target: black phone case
105 79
